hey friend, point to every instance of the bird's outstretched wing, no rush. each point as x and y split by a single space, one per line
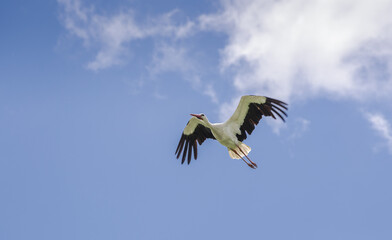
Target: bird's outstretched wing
195 131
250 110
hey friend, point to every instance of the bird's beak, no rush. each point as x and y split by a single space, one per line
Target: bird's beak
196 115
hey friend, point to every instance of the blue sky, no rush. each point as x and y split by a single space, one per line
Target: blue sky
94 97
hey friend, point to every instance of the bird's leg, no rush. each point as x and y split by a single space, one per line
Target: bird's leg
254 164
250 165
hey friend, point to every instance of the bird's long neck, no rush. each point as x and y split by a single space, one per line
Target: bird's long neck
207 123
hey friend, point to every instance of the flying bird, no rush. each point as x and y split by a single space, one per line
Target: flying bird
232 132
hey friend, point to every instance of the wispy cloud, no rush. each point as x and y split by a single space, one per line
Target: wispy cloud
210 92
382 127
301 125
297 49
170 58
112 34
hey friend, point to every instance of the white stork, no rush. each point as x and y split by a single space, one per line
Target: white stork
232 132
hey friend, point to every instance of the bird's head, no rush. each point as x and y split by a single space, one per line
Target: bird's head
200 116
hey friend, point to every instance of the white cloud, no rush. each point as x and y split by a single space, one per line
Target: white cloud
297 49
382 127
112 34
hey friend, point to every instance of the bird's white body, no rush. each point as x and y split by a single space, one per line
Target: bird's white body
223 134
232 132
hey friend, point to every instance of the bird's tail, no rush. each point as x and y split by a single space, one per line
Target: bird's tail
245 149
